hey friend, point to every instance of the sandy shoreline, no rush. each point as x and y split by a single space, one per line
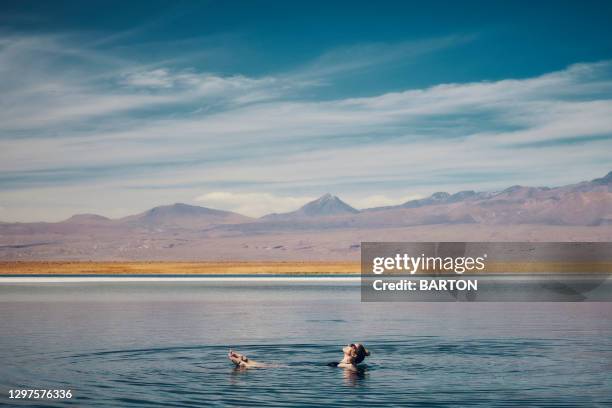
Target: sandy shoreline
179 268
295 268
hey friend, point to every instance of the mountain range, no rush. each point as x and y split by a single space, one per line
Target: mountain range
326 228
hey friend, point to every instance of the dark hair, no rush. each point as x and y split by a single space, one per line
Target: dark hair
361 353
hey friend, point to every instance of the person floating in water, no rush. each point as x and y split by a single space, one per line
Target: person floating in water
354 354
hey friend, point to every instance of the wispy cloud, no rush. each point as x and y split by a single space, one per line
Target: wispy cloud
73 116
360 58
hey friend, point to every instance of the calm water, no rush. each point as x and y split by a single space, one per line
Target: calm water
165 344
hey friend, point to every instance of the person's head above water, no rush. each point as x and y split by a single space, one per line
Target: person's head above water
360 352
355 353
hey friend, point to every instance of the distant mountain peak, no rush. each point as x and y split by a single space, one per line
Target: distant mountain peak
86 219
327 204
182 209
324 199
440 196
513 189
436 198
182 205
177 206
184 215
607 179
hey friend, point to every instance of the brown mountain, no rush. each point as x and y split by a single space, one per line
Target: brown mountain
182 216
585 203
87 219
324 206
326 228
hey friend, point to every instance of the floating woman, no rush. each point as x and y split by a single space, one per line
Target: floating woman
354 354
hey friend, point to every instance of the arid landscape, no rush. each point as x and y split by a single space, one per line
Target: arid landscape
312 268
178 268
326 229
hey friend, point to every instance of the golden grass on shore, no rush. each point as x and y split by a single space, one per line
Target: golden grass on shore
178 268
274 268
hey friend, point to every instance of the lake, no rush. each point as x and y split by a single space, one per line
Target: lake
136 344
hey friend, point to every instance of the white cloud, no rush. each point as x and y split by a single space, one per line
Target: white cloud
362 57
49 84
99 118
191 85
251 204
157 78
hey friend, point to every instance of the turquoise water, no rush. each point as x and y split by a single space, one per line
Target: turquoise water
165 344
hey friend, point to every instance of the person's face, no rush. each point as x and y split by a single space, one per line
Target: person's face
352 349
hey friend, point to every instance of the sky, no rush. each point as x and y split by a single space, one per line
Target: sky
258 107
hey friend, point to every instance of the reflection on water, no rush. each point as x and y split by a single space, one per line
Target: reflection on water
353 378
165 344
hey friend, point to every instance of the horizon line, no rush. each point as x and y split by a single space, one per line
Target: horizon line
297 209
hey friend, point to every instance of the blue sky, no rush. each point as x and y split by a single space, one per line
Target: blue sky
258 107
